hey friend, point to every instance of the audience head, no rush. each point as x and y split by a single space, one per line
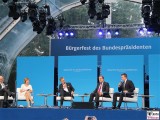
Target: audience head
1 79
124 76
101 79
26 81
62 80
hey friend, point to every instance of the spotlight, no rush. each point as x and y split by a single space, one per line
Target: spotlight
14 10
60 34
66 34
117 32
105 10
100 1
42 14
61 21
83 1
23 16
92 9
141 31
100 32
71 34
99 16
108 32
5 1
51 26
32 11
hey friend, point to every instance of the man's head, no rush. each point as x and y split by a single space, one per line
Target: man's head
1 79
101 79
62 80
124 76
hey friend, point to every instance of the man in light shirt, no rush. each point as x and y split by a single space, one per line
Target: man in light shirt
65 89
4 90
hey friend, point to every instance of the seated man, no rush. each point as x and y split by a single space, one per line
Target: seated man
126 88
65 89
102 90
5 91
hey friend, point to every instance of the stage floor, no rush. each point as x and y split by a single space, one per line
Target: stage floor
70 114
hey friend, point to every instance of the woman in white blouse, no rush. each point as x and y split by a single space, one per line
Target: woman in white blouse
26 90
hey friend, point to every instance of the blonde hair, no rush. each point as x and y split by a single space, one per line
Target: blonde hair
25 79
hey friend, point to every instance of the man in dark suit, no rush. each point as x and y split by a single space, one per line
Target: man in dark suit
4 91
102 90
65 89
126 88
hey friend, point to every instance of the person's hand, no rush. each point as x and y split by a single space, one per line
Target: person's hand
125 91
119 84
100 93
72 92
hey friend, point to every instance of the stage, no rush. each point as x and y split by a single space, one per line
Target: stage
70 114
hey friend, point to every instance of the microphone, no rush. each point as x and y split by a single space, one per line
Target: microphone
120 84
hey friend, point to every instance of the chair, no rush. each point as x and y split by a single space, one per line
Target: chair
9 99
106 99
70 99
134 99
21 97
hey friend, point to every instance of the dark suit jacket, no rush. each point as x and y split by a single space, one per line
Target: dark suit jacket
1 91
105 89
129 86
69 86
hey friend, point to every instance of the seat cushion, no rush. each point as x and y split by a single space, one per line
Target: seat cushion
20 97
9 98
65 98
128 99
105 99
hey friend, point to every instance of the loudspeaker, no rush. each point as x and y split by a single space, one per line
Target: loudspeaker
82 105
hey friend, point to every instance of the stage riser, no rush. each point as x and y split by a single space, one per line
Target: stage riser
71 114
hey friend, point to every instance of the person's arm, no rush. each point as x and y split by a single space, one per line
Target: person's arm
120 87
30 90
106 87
71 87
131 87
22 90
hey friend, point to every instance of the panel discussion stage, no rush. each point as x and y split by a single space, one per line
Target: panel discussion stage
70 114
81 68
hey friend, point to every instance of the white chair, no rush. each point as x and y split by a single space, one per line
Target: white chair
106 99
69 99
9 99
134 99
21 97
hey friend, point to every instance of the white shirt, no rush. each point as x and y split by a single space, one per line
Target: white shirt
101 86
3 85
65 87
25 88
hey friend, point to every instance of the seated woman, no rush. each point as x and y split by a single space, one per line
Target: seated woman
26 90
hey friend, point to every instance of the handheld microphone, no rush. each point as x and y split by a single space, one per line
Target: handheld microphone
120 84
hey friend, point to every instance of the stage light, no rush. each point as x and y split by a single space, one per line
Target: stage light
5 1
116 32
32 11
100 1
66 34
71 34
105 10
23 16
92 9
60 34
141 31
14 10
99 16
83 1
108 32
61 21
51 26
100 32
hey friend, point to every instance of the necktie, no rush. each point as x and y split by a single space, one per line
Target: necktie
99 89
124 84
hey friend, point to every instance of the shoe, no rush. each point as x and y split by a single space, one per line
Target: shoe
118 108
113 107
32 102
